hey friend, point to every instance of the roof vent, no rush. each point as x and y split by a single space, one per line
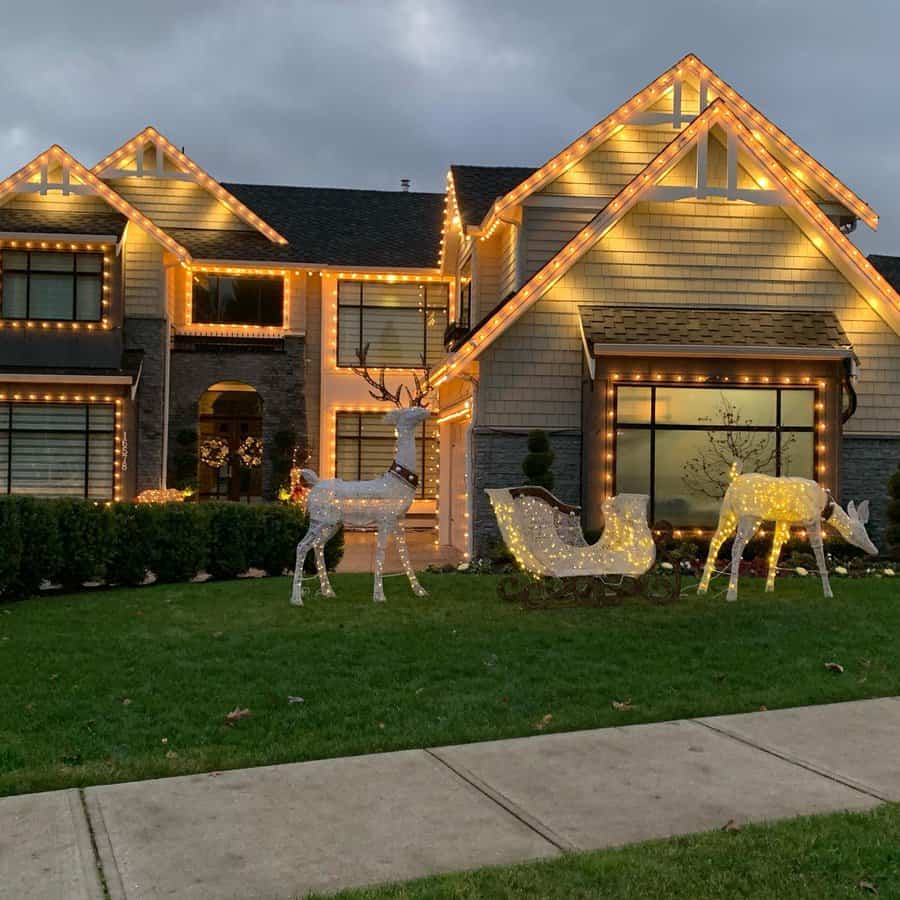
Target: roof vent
404 185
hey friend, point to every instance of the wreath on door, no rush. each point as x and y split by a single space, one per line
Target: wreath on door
214 452
250 452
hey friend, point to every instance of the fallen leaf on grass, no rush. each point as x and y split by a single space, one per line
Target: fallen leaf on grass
171 755
164 740
218 633
126 701
623 705
731 825
540 726
294 699
764 708
381 724
868 887
834 667
236 715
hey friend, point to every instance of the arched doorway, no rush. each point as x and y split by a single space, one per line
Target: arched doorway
228 413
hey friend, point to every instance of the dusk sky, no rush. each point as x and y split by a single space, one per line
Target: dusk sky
362 94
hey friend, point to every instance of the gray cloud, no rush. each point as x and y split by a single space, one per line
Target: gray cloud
360 94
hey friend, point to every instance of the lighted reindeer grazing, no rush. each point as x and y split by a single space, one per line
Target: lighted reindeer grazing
381 502
754 498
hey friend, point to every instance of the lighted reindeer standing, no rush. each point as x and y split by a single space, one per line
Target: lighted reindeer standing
754 498
380 503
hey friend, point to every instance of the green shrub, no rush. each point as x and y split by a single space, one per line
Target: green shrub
536 464
131 547
41 552
178 546
231 533
84 533
10 547
277 531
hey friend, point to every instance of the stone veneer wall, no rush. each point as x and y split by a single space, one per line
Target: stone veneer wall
497 462
146 453
866 465
277 376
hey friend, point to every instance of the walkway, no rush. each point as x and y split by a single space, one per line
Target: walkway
280 831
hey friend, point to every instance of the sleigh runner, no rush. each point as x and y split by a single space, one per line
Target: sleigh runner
544 536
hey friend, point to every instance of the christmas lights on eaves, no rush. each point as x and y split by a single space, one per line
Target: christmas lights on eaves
187 165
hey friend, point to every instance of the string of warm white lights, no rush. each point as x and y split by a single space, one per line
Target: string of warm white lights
150 135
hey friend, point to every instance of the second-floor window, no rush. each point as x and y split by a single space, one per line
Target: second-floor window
220 300
464 310
38 284
402 323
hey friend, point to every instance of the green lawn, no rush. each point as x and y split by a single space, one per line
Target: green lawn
848 855
127 684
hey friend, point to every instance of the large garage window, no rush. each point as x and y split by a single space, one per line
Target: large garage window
365 450
57 450
677 443
402 324
218 300
52 286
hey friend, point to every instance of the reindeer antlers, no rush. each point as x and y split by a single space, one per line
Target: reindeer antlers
382 392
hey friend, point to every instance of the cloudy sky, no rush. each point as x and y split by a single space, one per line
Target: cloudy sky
362 94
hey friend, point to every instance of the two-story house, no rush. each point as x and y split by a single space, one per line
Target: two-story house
674 288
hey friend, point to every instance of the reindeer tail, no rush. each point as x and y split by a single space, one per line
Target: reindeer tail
737 466
309 477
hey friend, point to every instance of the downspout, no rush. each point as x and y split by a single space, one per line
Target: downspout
851 373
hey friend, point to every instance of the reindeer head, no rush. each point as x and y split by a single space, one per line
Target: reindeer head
407 418
380 391
852 526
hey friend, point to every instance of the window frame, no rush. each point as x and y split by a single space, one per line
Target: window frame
239 325
8 432
361 306
28 271
358 440
778 429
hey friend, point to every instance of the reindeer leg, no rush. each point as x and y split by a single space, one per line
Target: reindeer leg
746 526
814 529
400 537
384 532
782 533
725 527
325 536
302 549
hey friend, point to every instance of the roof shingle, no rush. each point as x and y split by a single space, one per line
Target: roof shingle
45 221
478 186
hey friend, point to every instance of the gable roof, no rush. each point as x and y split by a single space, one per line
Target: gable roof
676 328
14 220
719 111
75 177
753 118
329 227
477 187
106 169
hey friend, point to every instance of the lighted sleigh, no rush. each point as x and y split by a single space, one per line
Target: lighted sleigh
561 568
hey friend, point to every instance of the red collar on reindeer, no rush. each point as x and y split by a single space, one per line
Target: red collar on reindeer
828 511
407 476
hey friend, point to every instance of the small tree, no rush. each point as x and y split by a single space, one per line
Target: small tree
893 513
536 464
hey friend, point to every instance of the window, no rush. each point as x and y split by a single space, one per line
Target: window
54 286
402 324
365 450
57 449
220 300
677 444
464 311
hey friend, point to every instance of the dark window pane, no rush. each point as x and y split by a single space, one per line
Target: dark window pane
15 259
87 298
238 301
15 295
51 296
52 262
88 262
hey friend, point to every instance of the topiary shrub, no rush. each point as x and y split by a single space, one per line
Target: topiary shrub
41 552
230 533
178 545
892 533
10 548
84 533
131 547
536 464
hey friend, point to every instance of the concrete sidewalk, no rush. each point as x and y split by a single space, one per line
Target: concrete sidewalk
281 831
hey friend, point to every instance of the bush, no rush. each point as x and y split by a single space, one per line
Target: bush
536 464
179 536
84 539
73 541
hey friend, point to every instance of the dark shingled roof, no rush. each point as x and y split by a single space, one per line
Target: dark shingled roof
712 327
477 187
25 221
329 226
889 266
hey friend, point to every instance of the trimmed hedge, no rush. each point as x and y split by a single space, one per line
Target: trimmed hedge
71 542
